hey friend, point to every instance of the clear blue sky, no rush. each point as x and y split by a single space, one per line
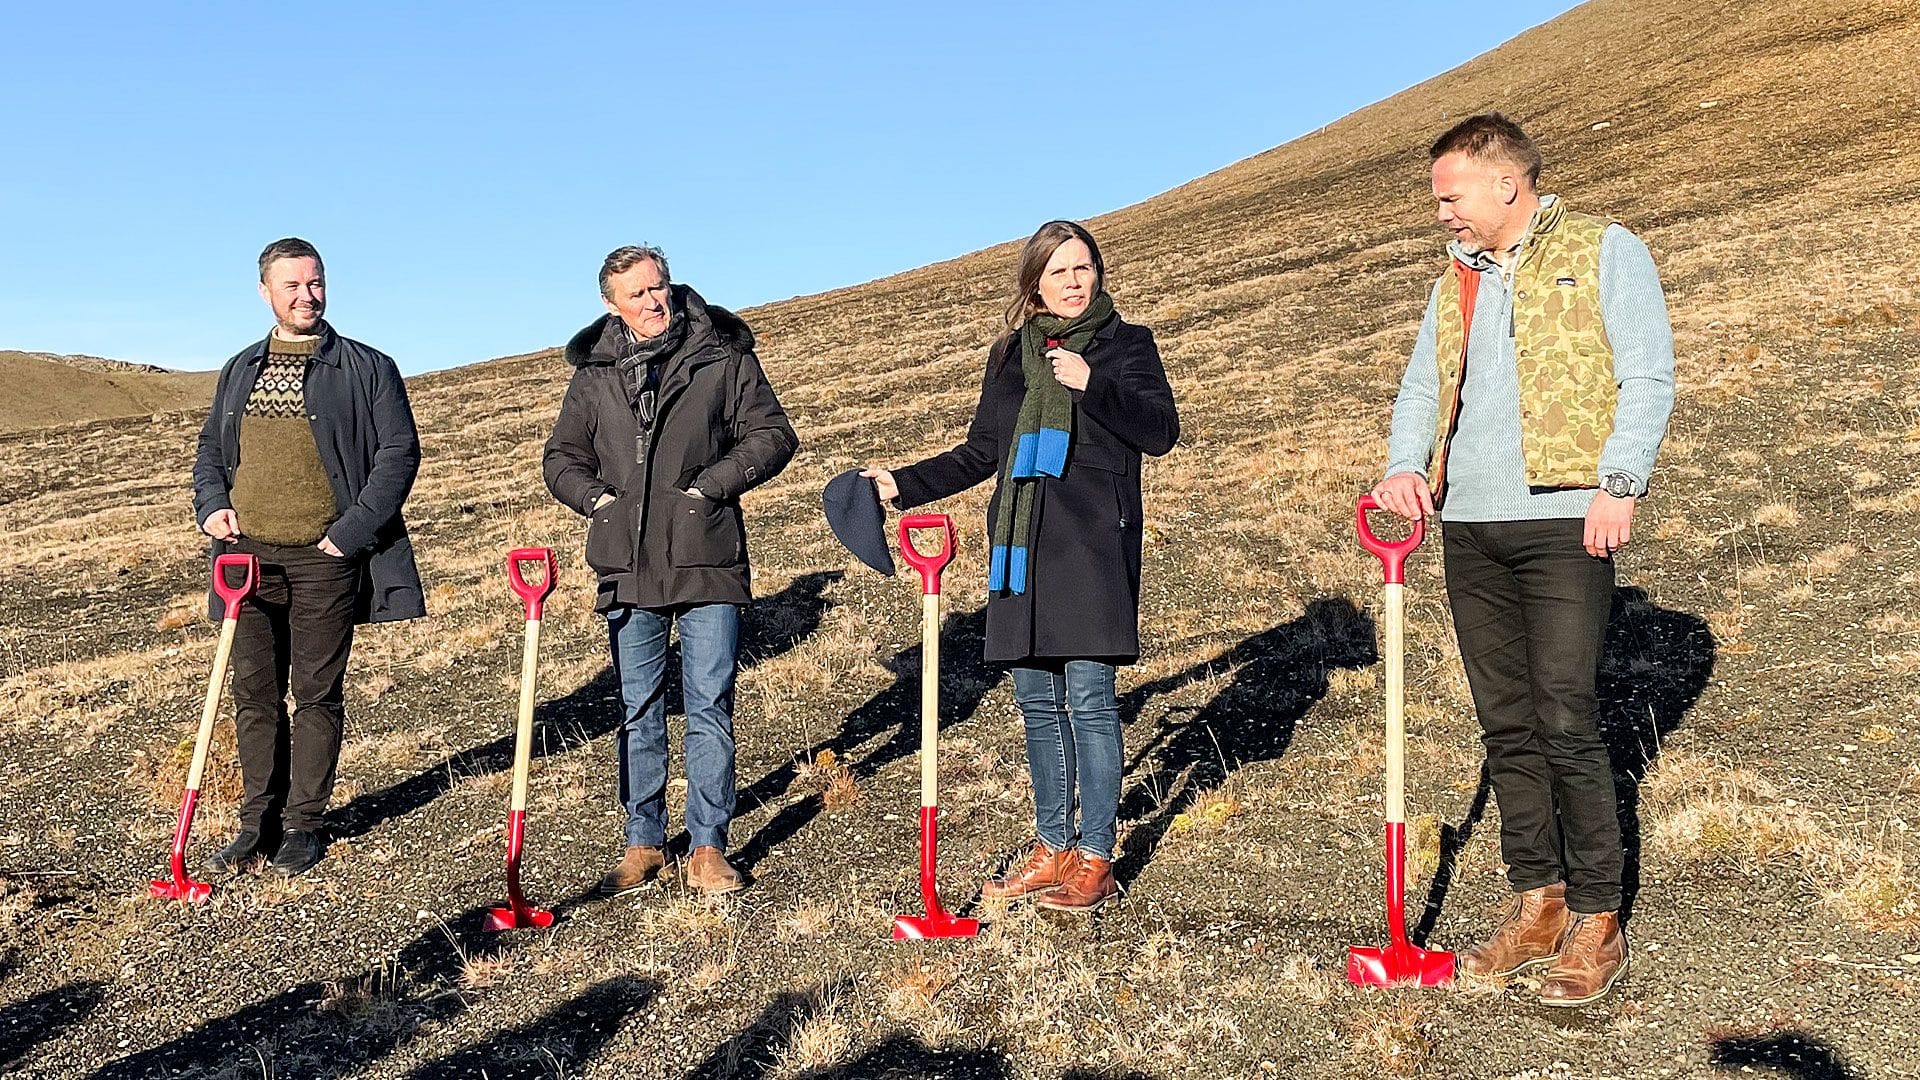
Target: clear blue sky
464 167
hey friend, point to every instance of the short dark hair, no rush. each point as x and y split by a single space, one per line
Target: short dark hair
1490 137
291 247
622 259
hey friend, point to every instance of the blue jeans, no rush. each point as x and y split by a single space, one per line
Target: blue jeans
709 645
1073 735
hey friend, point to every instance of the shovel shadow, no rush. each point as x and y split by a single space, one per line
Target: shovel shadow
1278 675
556 1042
773 626
893 712
752 1053
25 1025
327 1028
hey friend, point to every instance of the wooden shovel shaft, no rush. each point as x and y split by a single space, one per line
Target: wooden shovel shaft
1396 604
221 654
523 734
930 699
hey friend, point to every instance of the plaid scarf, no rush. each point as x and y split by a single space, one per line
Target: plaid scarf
1043 436
640 362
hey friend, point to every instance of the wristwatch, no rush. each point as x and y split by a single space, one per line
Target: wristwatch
1619 485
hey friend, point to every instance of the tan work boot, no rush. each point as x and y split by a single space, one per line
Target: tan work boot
1043 869
638 866
1089 884
708 871
1592 959
1531 935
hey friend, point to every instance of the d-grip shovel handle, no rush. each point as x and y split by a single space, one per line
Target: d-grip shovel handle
533 595
234 594
929 566
1392 554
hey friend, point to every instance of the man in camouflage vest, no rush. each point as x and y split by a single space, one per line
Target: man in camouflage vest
1528 420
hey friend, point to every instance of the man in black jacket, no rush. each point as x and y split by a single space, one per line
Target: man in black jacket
667 420
305 458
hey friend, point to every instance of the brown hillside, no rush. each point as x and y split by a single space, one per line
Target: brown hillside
44 390
1760 679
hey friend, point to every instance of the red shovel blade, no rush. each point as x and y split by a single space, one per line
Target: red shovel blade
1399 964
937 922
934 924
180 886
517 914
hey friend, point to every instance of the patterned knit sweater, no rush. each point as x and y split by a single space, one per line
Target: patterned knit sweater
280 489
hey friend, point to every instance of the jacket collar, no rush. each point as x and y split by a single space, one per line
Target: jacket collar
328 353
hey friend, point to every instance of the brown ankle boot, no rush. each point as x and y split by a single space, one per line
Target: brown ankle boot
1592 959
1043 869
638 866
708 871
1530 936
1089 884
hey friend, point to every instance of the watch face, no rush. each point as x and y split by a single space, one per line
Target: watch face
1619 485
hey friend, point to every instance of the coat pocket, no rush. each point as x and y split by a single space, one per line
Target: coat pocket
610 538
705 533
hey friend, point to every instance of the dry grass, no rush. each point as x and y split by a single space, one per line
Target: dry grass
1392 1040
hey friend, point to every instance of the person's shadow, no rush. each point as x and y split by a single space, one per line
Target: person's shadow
772 626
1278 675
894 712
1654 665
1793 1054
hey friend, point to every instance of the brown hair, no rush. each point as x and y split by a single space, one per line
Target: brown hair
1490 137
1025 301
291 247
622 259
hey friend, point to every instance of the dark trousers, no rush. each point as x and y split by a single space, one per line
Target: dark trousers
1530 607
294 636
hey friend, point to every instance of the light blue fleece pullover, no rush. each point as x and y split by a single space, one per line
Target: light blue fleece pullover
1486 471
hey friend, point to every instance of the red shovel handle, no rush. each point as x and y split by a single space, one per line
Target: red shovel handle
533 595
233 594
1392 555
929 566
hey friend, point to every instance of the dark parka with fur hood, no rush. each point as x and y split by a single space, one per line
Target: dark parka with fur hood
719 428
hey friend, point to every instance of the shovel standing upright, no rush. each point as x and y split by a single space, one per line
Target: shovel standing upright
937 922
518 914
180 886
1401 961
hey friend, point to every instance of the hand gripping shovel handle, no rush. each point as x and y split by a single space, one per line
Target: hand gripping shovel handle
937 922
1400 961
180 886
518 914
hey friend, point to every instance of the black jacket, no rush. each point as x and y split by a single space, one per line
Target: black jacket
1083 599
363 426
718 428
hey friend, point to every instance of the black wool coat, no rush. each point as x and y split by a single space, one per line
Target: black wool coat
719 428
363 427
1083 595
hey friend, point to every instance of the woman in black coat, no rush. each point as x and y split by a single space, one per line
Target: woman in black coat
1073 396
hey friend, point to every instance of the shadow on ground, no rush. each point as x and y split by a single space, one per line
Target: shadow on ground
774 625
1792 1054
893 712
1278 675
28 1023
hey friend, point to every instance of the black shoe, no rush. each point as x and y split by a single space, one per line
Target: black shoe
229 859
300 851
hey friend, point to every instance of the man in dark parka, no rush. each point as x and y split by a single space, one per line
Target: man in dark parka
304 461
667 421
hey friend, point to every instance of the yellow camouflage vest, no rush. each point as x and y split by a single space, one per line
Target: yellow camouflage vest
1567 389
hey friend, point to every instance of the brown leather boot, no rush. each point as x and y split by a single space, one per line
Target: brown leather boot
1592 959
639 865
1089 884
1531 935
1043 869
708 871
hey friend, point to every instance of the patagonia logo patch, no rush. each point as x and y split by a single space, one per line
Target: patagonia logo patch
1564 281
